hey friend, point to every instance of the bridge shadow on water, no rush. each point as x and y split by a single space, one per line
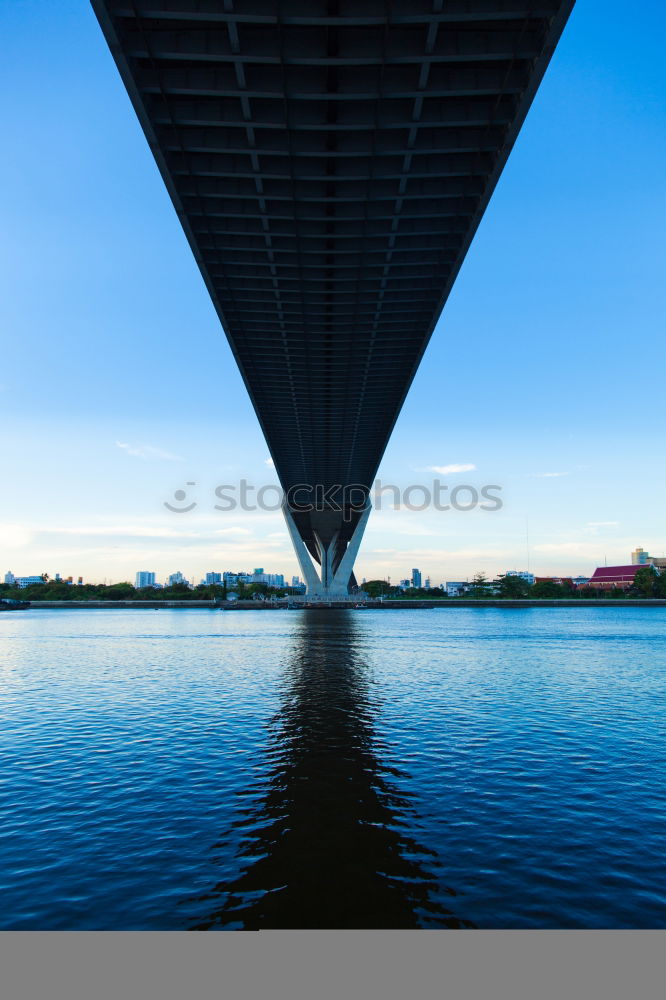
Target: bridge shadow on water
327 845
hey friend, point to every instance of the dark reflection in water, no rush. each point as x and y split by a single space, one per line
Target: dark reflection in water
326 847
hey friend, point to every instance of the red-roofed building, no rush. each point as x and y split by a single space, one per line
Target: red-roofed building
607 577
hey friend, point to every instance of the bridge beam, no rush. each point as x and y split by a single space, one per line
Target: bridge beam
330 168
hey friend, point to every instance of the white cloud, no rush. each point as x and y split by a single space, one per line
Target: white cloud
446 555
583 549
444 470
233 530
597 527
14 536
122 531
548 475
270 463
405 528
148 451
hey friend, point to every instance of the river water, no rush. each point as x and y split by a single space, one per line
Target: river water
202 769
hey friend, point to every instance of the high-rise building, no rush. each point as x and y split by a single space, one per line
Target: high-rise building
295 581
259 571
427 583
213 579
177 577
416 578
144 579
9 577
639 557
270 579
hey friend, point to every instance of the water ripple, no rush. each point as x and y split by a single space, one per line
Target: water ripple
471 767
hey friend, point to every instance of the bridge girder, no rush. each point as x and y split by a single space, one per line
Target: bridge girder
330 161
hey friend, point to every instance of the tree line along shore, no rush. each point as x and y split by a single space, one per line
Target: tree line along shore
647 585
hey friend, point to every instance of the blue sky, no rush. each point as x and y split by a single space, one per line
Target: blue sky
117 386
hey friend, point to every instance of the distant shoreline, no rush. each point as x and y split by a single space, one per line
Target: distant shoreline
406 605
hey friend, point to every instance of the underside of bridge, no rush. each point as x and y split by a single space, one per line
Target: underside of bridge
330 161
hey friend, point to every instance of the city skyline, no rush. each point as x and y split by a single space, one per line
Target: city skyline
417 578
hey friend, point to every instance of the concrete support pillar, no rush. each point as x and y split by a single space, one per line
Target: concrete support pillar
308 570
326 556
344 570
323 582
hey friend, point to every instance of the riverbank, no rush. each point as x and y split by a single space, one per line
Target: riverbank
375 605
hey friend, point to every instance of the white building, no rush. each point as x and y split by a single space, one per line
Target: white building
26 581
177 577
233 579
10 578
454 588
144 579
523 574
270 579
